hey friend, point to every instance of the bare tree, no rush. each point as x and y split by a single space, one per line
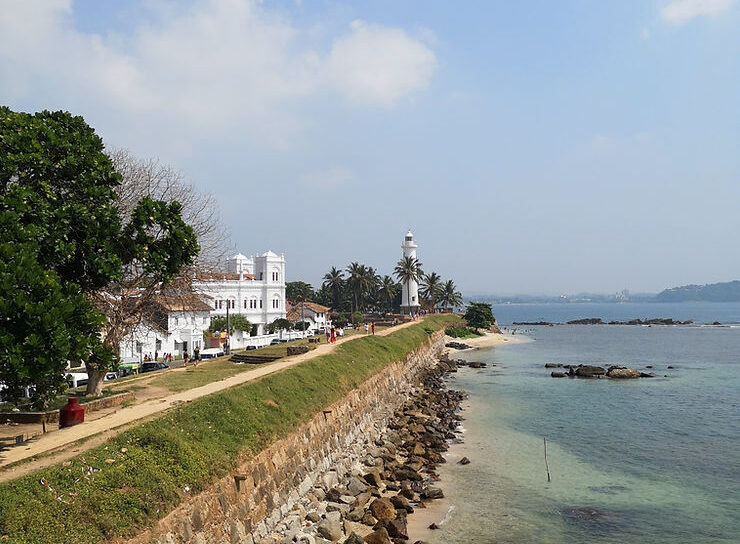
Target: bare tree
180 233
149 177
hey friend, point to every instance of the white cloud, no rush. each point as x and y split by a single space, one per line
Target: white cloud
329 179
211 66
378 65
679 12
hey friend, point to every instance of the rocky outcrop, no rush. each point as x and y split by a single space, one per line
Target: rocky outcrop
589 371
586 321
622 373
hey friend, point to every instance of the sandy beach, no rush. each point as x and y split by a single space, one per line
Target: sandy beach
489 339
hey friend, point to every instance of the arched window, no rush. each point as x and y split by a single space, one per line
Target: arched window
276 303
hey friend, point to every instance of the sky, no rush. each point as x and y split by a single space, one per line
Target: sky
532 147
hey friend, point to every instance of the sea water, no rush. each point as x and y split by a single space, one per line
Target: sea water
653 460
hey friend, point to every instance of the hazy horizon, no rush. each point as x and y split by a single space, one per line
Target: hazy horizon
553 147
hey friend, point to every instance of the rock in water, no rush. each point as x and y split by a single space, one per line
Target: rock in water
623 373
432 493
557 374
464 461
597 519
588 371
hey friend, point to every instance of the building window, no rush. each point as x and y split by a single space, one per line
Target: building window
260 303
192 320
215 304
177 321
204 320
260 276
245 303
276 303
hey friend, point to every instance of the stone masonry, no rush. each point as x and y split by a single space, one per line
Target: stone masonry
251 505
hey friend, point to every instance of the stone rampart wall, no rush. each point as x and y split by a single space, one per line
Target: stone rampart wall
252 505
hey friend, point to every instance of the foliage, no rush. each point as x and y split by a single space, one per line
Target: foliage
301 325
479 315
58 189
192 445
299 291
450 296
279 324
334 284
408 269
58 239
237 322
431 288
461 332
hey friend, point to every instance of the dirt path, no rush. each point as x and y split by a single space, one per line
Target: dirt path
118 421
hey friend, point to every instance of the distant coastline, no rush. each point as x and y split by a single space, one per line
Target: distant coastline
714 292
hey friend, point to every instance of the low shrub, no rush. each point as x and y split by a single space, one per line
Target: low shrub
462 332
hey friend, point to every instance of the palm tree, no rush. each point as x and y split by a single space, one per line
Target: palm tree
387 290
449 295
408 269
358 283
431 287
334 281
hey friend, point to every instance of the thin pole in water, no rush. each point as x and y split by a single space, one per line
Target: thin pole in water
547 466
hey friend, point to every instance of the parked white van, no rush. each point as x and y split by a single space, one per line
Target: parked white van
211 353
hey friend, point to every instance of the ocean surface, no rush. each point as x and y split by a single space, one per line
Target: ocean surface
654 460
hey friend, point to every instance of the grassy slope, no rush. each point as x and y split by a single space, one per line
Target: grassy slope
190 447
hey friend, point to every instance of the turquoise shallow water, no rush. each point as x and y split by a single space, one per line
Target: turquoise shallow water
651 460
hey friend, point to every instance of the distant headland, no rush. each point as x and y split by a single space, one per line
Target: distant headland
715 292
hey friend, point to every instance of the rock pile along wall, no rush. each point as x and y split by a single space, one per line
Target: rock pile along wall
248 506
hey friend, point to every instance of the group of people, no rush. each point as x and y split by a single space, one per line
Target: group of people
196 357
334 333
166 357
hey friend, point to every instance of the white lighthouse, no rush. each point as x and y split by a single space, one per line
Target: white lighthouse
410 290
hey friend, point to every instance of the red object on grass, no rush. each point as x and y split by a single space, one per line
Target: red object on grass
71 414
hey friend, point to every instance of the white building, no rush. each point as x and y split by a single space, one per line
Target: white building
175 326
251 286
316 315
410 289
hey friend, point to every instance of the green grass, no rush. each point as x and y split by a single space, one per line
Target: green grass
205 373
193 446
461 332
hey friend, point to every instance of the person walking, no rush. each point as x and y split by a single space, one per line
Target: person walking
196 356
328 335
372 326
333 336
185 358
367 327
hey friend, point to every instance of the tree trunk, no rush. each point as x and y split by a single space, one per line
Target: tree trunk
94 382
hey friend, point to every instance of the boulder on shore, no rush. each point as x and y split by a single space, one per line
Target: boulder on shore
557 374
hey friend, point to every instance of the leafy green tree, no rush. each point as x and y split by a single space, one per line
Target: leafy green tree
450 296
334 282
60 186
299 291
479 315
237 322
431 287
408 269
387 291
279 324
